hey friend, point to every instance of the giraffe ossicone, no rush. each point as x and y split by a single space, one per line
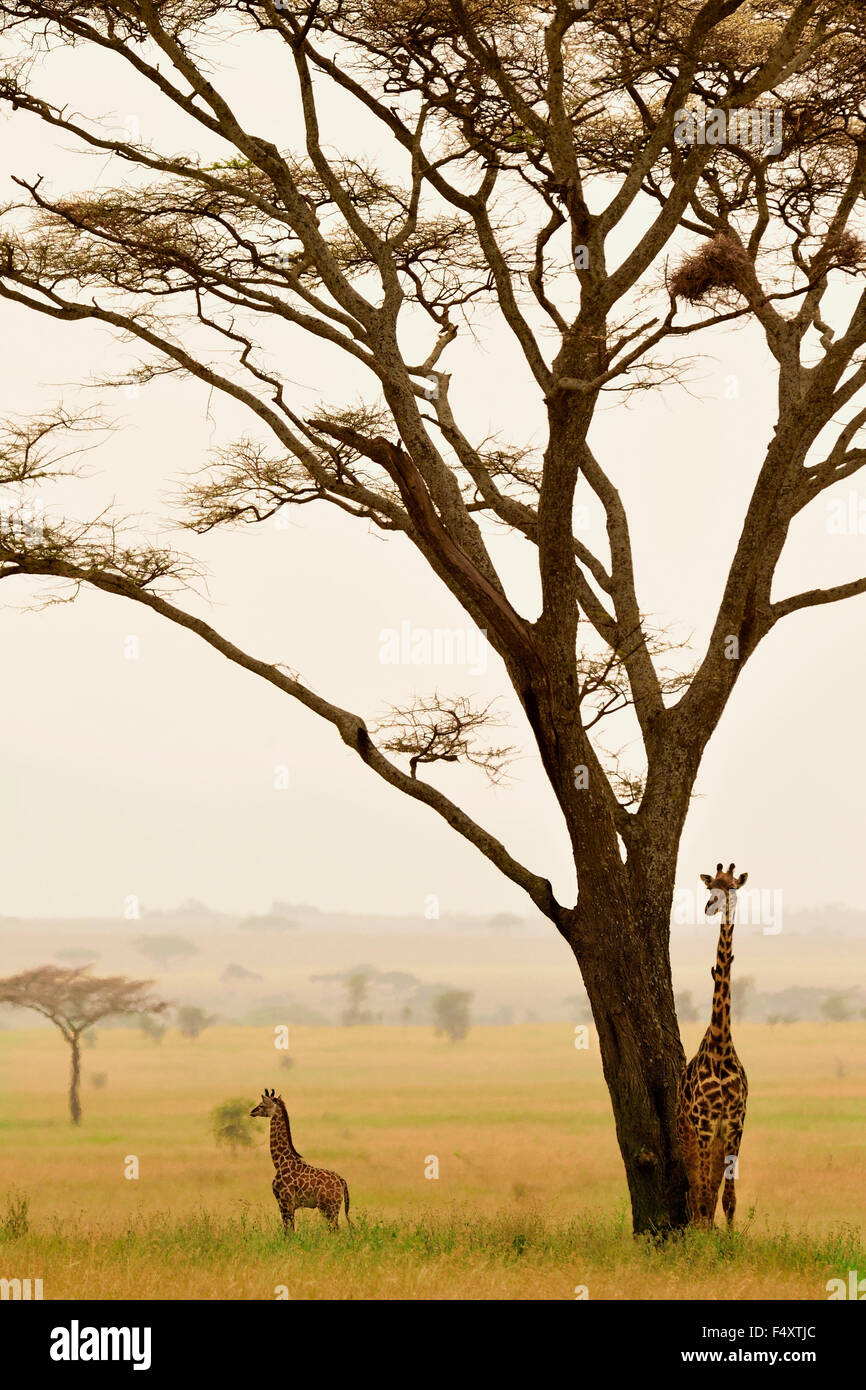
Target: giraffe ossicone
711 1101
297 1183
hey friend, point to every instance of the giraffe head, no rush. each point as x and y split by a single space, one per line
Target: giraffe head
266 1106
722 884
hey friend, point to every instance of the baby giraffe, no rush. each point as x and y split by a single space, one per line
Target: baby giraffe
296 1183
711 1104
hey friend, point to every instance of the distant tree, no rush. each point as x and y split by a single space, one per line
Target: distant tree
686 1011
230 1126
152 1028
268 922
165 949
76 955
836 1008
505 919
356 986
238 972
192 1021
451 1013
99 1079
74 1001
742 996
192 907
406 1014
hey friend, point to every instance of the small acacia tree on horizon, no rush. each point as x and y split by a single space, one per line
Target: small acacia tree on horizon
551 167
451 1014
357 987
163 950
192 1021
74 1001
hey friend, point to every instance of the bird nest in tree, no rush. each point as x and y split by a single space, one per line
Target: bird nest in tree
847 251
434 20
721 264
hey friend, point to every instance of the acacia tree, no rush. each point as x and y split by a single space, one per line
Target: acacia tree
165 949
591 120
357 986
74 1001
451 1013
192 1021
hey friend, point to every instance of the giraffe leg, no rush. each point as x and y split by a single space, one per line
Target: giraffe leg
331 1212
689 1153
286 1209
703 1203
729 1202
717 1171
705 1193
732 1147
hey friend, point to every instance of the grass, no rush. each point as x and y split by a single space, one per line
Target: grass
530 1201
521 1256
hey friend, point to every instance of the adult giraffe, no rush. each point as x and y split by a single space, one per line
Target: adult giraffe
711 1102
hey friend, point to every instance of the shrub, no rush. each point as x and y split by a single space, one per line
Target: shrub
229 1125
16 1221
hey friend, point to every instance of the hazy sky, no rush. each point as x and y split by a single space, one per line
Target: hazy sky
155 776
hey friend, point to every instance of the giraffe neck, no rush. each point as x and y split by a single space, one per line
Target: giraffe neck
281 1135
720 1025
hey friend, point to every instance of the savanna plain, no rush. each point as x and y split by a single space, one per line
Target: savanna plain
529 1202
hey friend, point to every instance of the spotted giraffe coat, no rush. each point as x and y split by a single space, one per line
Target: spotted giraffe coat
297 1183
711 1102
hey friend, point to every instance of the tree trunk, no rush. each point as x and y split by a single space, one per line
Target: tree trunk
624 958
75 1080
620 935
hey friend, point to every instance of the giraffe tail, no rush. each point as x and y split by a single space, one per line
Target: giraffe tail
346 1198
